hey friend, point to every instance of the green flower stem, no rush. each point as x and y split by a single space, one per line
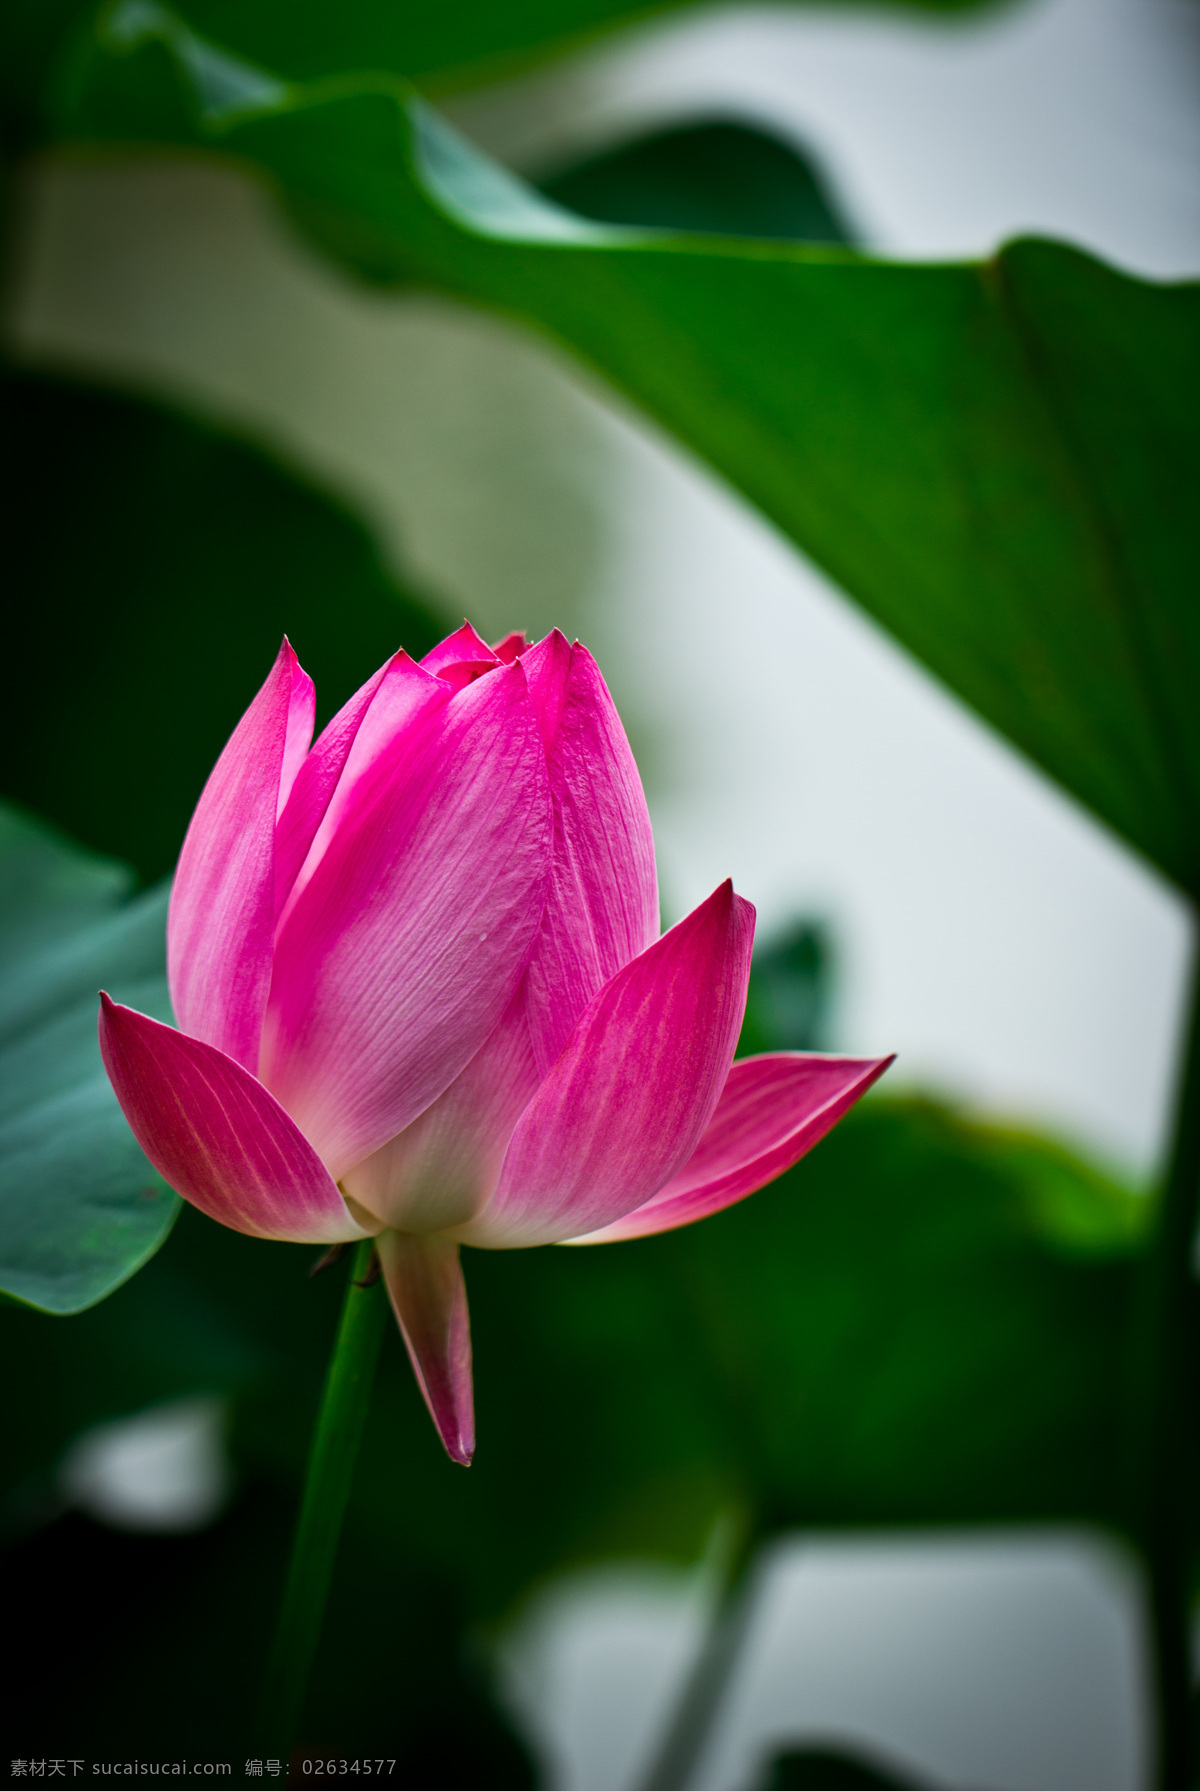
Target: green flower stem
1166 1381
326 1490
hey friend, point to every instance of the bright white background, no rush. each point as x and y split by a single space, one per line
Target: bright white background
1012 951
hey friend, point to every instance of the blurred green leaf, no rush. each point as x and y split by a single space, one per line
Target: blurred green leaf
898 1331
787 1003
998 461
718 177
34 37
153 565
892 1333
927 1344
438 44
80 1207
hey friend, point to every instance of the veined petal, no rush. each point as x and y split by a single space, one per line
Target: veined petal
625 1105
217 1136
425 1283
443 1168
602 898
301 719
601 911
222 911
315 783
402 697
772 1110
401 952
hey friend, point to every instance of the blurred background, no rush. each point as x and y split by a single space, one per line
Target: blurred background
923 888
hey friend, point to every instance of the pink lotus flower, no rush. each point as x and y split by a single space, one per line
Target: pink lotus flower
421 993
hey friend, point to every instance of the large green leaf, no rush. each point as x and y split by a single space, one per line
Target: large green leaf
80 1207
153 564
435 41
998 461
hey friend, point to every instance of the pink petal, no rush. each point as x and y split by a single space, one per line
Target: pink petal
402 950
301 718
772 1110
424 1280
371 724
444 1167
461 658
602 902
511 647
601 911
625 1105
217 1136
223 903
315 783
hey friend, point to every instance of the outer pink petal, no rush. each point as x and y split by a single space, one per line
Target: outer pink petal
217 1136
443 1168
625 1105
302 715
402 950
602 902
223 903
401 699
772 1110
424 1279
315 784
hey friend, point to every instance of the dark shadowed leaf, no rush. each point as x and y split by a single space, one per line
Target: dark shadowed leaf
186 1620
998 461
153 565
826 1769
80 1207
717 177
